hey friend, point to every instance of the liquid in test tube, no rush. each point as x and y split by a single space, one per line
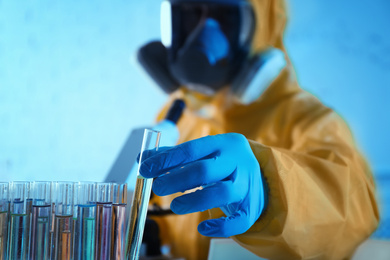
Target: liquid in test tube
119 221
84 240
4 214
40 220
19 223
63 221
140 202
103 221
29 202
52 219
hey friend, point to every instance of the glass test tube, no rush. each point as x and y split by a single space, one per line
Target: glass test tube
104 200
52 219
40 220
141 198
29 201
118 221
20 221
63 220
4 213
84 235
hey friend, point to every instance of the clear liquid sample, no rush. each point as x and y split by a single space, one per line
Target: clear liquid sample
3 234
118 231
139 209
63 237
40 235
18 240
84 246
103 230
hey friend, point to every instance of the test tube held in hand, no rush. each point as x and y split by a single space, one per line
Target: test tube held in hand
141 198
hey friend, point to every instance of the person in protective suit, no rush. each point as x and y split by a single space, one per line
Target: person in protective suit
259 159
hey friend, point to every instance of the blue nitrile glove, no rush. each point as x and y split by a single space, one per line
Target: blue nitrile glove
225 166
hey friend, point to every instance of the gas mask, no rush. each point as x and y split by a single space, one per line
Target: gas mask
203 61
205 46
206 41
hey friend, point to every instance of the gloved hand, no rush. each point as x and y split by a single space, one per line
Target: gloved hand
225 166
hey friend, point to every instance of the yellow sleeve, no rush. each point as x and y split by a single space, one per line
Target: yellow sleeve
321 202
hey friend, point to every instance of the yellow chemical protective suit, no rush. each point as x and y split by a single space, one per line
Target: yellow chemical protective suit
321 192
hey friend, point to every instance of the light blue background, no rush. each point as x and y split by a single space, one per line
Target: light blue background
71 91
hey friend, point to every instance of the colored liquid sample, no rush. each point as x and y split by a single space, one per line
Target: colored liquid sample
103 231
18 240
51 232
118 231
63 237
84 246
40 227
139 209
3 234
29 203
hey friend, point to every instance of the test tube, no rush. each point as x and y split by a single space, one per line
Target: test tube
118 221
29 203
4 213
40 220
84 240
63 220
29 197
104 200
20 221
141 198
52 219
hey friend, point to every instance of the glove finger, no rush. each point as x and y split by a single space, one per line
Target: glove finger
226 226
217 195
192 175
148 153
202 148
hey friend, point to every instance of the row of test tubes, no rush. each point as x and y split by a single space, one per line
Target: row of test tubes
74 220
62 220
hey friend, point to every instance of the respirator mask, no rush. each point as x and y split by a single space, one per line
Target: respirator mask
205 46
206 43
